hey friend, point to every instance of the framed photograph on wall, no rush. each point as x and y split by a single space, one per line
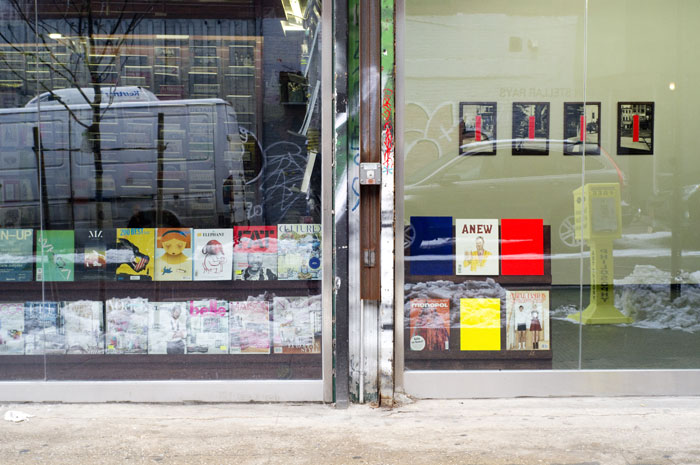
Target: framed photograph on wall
580 126
635 128
530 128
477 128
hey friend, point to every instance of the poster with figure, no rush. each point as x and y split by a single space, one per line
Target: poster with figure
173 254
43 329
477 128
255 253
127 326
12 328
16 257
299 251
527 320
134 253
207 327
55 255
530 128
297 325
635 128
476 247
579 126
83 323
249 327
429 325
213 254
167 328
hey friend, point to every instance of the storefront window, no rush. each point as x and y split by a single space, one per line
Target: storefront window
161 190
500 187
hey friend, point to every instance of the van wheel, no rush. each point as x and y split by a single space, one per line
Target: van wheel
409 236
565 235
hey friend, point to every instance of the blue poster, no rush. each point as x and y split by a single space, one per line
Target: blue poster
432 243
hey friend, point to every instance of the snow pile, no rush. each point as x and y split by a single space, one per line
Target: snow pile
488 289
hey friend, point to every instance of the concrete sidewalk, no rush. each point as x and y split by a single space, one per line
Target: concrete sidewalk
501 431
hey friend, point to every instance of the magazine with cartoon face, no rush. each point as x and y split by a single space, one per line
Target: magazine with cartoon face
173 254
527 320
16 257
213 254
297 325
429 325
43 329
55 255
299 251
207 328
134 252
12 328
476 247
167 328
127 326
255 253
83 323
249 327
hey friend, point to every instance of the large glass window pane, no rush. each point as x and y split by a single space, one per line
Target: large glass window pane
165 159
492 264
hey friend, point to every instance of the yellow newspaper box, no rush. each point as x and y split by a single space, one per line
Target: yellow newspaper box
599 221
602 215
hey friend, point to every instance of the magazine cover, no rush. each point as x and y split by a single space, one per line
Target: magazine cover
249 327
297 325
83 324
480 324
207 327
167 328
255 252
134 253
91 253
54 256
429 324
213 254
174 254
12 328
16 257
476 247
299 251
527 320
127 326
43 329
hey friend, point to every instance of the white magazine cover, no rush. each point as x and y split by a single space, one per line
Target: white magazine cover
207 328
84 327
12 328
297 325
167 328
127 326
477 247
43 329
213 254
299 251
249 327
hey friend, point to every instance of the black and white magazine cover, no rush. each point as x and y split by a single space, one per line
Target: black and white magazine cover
84 327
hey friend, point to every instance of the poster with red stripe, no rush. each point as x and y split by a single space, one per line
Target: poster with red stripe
580 126
530 128
635 128
477 128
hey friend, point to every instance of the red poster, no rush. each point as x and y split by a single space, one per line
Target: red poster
531 128
583 128
635 128
255 239
522 247
477 129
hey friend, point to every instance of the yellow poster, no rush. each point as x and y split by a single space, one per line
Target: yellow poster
480 324
135 247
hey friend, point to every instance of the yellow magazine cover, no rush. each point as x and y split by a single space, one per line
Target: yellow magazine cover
480 324
136 249
173 254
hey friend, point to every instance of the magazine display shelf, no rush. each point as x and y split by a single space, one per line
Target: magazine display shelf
156 366
455 359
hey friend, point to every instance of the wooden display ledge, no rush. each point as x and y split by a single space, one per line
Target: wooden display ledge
510 280
155 291
103 367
